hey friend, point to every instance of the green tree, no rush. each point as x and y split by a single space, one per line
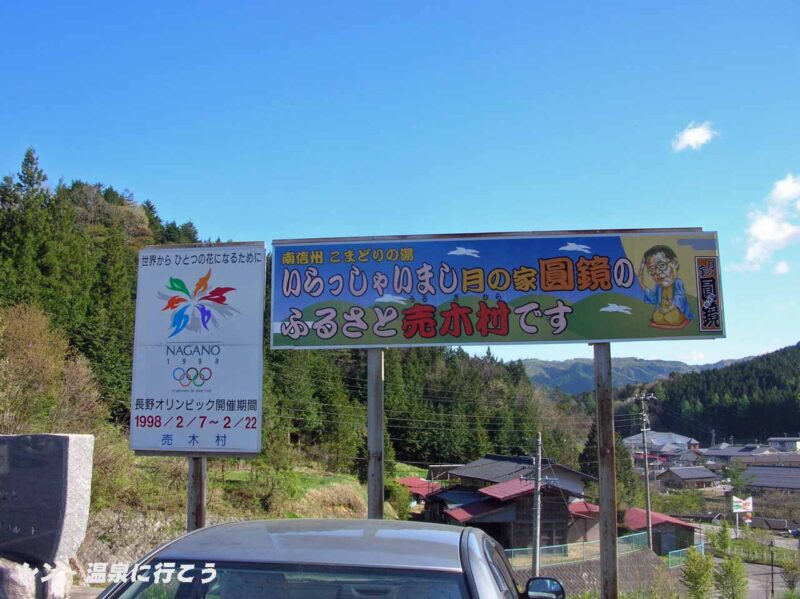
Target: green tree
736 474
627 481
722 538
791 573
730 579
698 574
31 177
588 458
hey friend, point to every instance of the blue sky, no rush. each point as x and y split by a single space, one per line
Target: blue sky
272 120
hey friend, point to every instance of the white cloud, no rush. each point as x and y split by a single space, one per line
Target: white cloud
774 226
694 137
575 247
781 268
459 251
697 357
787 190
391 299
617 308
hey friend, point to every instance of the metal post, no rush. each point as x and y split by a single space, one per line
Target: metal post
537 507
607 470
645 428
375 433
196 494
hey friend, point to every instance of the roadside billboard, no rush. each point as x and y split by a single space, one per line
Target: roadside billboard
741 506
198 349
496 289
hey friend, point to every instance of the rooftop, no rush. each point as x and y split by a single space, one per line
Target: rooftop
772 459
419 486
584 509
772 477
465 513
498 468
657 439
724 450
691 473
377 543
636 519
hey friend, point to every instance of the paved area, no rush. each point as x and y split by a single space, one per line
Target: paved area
759 581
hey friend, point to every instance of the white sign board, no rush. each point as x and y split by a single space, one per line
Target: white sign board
198 350
742 505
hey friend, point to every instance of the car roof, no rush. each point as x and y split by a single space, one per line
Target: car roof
373 543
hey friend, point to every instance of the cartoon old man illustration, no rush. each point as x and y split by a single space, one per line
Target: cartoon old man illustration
669 294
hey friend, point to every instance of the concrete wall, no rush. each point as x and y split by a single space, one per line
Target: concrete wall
583 530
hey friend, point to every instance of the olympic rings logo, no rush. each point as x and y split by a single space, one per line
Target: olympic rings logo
192 376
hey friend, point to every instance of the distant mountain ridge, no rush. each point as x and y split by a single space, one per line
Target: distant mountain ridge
577 375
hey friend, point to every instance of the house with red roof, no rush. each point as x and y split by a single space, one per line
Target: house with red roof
419 488
585 524
669 533
495 494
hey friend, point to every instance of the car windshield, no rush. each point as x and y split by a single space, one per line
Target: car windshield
236 580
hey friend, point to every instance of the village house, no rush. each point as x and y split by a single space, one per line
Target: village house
784 443
658 443
778 478
419 488
787 460
724 453
495 493
585 525
688 477
669 533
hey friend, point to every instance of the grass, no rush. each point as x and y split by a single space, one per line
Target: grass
404 470
753 552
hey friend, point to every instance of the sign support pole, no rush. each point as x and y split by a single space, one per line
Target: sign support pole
607 471
375 441
196 496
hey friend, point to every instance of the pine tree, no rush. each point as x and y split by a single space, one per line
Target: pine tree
588 460
31 177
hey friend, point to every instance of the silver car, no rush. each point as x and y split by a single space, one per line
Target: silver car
328 559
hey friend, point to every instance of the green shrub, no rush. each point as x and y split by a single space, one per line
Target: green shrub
399 498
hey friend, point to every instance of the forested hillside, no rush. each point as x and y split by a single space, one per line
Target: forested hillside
577 375
753 399
68 266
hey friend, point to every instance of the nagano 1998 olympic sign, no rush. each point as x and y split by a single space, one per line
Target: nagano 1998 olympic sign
198 350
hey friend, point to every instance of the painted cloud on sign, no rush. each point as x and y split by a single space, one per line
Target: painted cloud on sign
617 308
391 299
575 247
459 251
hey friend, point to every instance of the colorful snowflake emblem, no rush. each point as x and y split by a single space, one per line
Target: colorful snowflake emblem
194 311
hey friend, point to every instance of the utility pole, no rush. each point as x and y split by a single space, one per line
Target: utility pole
537 506
713 437
646 427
